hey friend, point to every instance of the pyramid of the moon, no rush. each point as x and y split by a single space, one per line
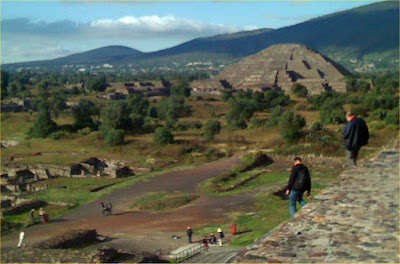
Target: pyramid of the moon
277 67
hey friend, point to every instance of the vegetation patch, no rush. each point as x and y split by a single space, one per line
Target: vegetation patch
163 201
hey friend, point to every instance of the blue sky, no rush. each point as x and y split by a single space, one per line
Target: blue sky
36 30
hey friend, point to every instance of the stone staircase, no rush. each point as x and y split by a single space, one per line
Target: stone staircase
215 254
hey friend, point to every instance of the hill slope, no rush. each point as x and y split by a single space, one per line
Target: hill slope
354 38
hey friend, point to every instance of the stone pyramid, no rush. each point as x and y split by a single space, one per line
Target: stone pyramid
278 67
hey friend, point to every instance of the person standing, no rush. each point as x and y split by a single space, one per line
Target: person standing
189 233
21 239
32 216
109 207
299 182
41 214
103 208
220 236
356 134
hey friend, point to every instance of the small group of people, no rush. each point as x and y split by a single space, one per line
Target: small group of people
43 217
212 239
106 209
356 135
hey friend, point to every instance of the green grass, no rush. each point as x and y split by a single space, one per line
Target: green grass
163 201
210 186
53 211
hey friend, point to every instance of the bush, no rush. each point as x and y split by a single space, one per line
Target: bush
299 90
43 125
256 123
183 126
59 134
392 117
359 110
163 136
316 126
211 128
85 131
226 95
239 111
273 118
290 126
115 137
378 114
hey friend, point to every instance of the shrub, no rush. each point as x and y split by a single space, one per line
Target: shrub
359 110
299 90
85 131
290 126
188 125
43 125
115 137
163 136
273 118
392 117
211 128
316 126
378 114
59 134
226 95
256 122
239 111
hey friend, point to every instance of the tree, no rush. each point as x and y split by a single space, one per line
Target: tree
83 114
43 125
163 136
239 111
97 84
5 79
172 108
181 89
58 102
299 90
332 112
273 118
290 126
115 137
211 128
226 95
116 116
138 104
15 88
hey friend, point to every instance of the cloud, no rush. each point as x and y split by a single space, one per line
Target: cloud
25 39
128 26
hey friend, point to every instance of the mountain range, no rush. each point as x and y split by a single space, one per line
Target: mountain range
366 37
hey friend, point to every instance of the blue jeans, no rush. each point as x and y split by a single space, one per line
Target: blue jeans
295 196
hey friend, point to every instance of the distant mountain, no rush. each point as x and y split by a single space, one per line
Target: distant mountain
356 33
109 54
366 36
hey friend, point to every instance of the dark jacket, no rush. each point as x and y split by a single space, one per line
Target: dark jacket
293 175
356 132
189 232
221 234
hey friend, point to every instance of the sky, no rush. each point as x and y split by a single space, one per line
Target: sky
37 30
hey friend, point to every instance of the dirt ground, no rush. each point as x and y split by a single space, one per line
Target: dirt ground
147 231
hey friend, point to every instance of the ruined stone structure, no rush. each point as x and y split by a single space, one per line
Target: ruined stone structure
277 67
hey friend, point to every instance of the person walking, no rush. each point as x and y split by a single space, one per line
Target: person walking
299 182
220 237
21 239
189 233
356 134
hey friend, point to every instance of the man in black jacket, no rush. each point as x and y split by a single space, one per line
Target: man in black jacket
189 233
357 135
299 182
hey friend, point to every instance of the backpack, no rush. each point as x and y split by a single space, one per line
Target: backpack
301 180
363 133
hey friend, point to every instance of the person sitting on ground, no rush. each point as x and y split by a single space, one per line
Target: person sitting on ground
213 239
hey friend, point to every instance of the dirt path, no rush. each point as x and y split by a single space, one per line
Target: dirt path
148 230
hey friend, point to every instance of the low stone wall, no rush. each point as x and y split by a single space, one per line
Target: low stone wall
26 206
70 239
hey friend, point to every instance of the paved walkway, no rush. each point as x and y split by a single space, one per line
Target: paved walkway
356 219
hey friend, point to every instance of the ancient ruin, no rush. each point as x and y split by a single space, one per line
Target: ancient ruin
277 67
